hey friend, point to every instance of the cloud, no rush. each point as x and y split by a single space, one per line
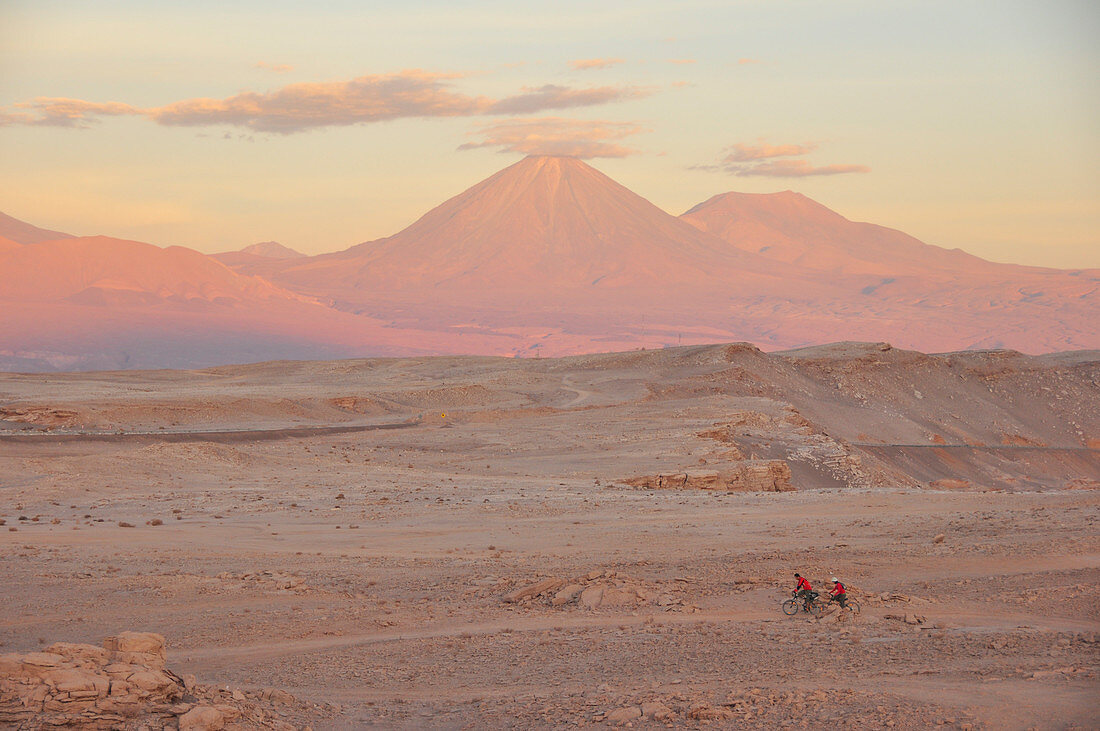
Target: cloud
746 61
742 152
744 160
557 136
302 106
794 169
585 64
61 112
553 96
682 61
279 68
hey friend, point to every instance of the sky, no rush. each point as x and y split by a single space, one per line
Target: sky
215 125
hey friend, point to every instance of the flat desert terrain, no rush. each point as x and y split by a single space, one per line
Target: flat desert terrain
590 541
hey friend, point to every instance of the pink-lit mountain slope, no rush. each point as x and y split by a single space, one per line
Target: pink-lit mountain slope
99 302
542 226
792 228
22 232
892 268
561 259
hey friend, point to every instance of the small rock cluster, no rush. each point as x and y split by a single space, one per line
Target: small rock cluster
274 580
596 589
122 685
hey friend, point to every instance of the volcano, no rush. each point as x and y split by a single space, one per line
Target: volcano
544 224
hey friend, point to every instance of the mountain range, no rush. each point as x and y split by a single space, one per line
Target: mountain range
548 256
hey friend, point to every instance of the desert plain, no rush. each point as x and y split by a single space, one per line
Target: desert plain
604 540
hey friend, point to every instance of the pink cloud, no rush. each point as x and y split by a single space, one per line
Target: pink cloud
552 96
746 61
61 112
795 169
557 136
744 160
302 106
586 64
742 152
279 68
296 107
682 61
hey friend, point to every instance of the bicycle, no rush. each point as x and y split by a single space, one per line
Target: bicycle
816 606
811 605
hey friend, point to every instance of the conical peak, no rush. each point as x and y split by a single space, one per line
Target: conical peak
550 166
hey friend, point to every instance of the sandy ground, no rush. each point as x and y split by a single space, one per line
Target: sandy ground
367 572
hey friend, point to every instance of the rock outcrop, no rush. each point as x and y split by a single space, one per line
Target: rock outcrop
124 684
756 475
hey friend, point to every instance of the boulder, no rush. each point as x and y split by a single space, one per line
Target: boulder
533 590
146 647
617 597
202 718
624 714
567 594
657 711
592 597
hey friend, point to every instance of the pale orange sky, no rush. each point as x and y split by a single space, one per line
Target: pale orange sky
216 125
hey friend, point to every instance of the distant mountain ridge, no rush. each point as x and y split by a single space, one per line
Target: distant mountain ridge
792 228
546 257
22 232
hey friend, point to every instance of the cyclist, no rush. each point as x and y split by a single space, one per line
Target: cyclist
804 591
838 593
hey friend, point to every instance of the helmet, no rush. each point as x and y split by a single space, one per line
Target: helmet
797 576
834 579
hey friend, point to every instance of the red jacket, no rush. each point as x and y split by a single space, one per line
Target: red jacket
803 584
837 589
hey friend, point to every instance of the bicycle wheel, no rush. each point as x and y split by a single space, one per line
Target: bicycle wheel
790 607
817 609
853 606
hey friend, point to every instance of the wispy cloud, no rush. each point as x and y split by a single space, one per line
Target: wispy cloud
742 152
303 106
746 61
298 107
553 96
761 159
60 112
279 68
796 169
587 64
557 136
682 61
